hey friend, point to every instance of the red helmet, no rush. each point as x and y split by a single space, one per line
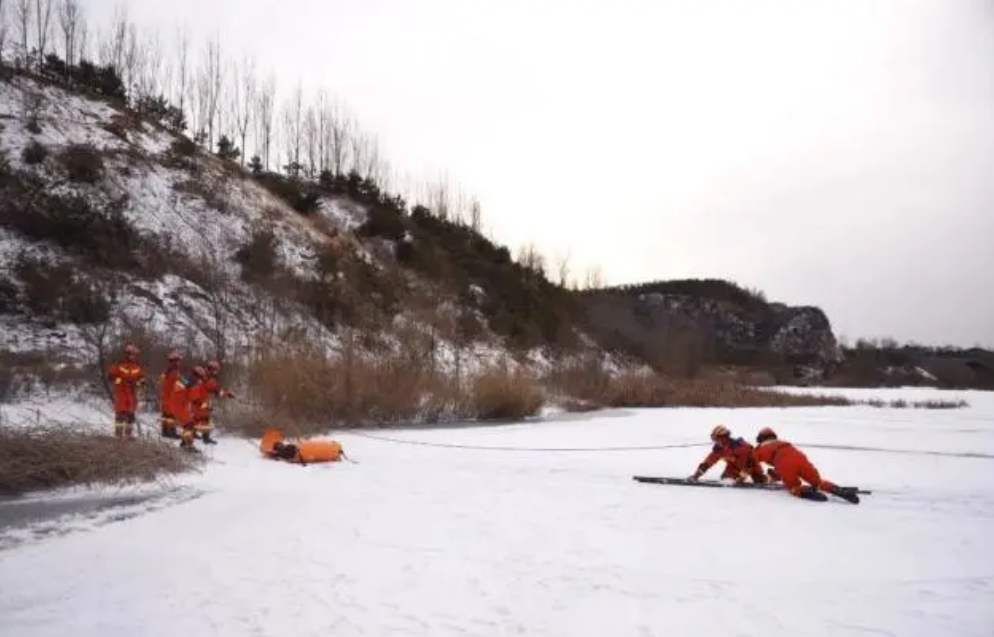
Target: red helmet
721 431
765 434
213 367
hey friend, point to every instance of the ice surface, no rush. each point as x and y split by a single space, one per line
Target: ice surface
415 539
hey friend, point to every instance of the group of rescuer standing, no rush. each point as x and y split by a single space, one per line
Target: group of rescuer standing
185 398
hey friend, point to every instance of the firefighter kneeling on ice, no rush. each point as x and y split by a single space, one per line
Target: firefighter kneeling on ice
738 457
304 452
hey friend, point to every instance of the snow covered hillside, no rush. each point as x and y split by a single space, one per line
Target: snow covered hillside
182 218
534 529
161 199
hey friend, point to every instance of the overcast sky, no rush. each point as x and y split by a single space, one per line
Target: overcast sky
835 153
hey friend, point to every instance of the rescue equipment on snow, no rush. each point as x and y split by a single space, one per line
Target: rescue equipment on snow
302 452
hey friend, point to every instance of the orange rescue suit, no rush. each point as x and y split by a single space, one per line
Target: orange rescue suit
125 377
791 465
199 399
738 456
167 385
176 401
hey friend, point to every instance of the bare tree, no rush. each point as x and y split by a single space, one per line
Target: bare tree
199 108
359 147
113 49
387 177
22 14
43 22
211 81
147 67
3 28
440 197
82 40
563 269
593 278
265 104
323 114
529 257
461 207
69 19
182 44
293 126
367 160
475 215
340 131
311 140
243 100
218 288
134 64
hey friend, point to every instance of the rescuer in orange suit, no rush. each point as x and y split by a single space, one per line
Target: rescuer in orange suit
167 389
737 454
197 401
212 387
792 466
126 376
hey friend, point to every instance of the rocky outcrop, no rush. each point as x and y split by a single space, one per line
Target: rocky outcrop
716 321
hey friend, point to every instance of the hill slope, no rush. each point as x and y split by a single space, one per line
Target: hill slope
109 217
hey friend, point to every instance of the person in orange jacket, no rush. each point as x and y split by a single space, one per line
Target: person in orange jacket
737 454
179 408
167 389
196 403
793 467
212 388
126 377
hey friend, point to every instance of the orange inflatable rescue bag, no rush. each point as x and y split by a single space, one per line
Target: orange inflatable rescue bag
304 452
269 439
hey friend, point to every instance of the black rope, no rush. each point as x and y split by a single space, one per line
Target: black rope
688 445
445 445
913 452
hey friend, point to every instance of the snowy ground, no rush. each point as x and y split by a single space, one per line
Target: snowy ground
418 539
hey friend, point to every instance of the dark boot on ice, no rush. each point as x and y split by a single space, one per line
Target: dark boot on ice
810 493
207 440
846 493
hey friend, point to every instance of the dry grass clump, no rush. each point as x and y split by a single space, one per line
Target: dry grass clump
502 394
57 455
901 403
588 384
304 389
652 390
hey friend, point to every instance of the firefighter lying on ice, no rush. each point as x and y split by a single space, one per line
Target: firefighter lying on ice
737 454
793 466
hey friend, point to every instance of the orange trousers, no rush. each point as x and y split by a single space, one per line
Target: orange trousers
795 468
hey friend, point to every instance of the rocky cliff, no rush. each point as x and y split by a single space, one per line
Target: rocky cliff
690 323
